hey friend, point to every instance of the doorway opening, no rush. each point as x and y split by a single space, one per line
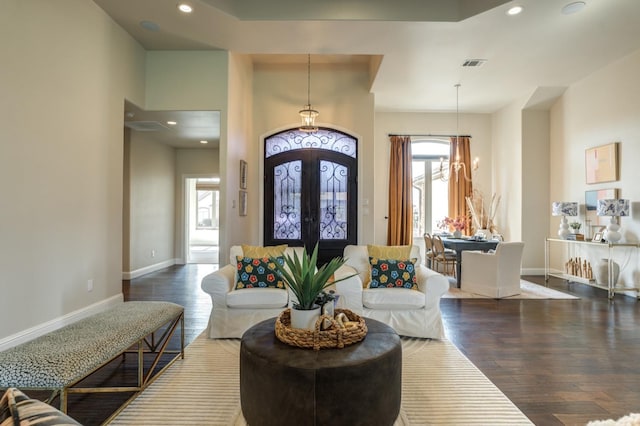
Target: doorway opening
203 220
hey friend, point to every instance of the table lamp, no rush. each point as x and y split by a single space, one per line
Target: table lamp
564 209
614 208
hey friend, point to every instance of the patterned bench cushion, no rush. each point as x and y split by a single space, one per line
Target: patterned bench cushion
64 356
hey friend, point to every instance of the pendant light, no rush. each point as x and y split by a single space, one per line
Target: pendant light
457 166
308 114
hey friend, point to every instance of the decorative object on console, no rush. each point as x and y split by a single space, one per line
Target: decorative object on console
601 272
579 267
614 208
575 227
564 209
307 113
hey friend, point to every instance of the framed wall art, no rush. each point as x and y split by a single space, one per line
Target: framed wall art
242 203
243 174
601 163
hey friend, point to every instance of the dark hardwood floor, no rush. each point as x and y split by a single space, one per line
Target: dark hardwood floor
562 362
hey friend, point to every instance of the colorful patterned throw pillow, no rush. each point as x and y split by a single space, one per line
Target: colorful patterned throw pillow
258 273
393 273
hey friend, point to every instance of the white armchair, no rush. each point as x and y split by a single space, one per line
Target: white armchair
495 274
409 312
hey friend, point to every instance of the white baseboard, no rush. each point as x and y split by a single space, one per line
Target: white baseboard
532 271
49 326
148 269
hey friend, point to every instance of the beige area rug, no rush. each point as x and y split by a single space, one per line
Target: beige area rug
440 386
529 291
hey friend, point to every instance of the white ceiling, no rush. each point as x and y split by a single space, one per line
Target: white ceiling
422 43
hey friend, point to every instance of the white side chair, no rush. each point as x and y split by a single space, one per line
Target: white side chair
495 274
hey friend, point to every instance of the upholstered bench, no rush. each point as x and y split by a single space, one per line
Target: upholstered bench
59 360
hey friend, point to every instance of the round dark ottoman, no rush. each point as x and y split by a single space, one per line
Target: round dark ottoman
285 385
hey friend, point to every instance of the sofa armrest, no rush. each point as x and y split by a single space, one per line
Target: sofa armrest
350 289
219 283
433 284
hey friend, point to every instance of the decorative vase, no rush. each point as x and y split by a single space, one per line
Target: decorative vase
483 233
601 272
457 233
305 319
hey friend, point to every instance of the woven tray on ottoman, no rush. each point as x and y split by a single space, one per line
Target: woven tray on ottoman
334 337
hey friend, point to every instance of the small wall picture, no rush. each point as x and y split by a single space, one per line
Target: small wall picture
242 210
243 174
597 237
601 163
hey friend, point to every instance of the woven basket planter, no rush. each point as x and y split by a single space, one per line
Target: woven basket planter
334 337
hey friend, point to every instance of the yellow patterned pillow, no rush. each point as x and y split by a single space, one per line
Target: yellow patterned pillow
386 252
260 252
389 252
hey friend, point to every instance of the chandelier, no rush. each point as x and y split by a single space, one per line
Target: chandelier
308 114
457 167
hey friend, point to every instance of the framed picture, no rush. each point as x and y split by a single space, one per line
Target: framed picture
591 204
243 174
242 202
597 237
601 163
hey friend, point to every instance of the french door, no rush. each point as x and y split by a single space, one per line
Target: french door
311 191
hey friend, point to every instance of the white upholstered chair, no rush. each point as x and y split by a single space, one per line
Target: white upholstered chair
495 274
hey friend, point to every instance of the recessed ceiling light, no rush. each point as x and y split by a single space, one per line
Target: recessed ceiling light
150 26
573 7
204 142
185 7
172 123
515 10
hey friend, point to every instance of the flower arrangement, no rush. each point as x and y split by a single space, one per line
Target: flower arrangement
459 223
575 226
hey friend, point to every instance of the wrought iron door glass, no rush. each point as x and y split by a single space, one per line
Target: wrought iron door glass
333 201
287 188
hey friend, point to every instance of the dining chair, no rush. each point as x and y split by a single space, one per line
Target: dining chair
442 257
428 250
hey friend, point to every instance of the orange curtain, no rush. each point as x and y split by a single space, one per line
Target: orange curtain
400 225
459 187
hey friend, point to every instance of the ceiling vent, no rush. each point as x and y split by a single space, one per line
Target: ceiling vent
474 62
145 126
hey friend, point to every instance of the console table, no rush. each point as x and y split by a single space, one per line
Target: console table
611 286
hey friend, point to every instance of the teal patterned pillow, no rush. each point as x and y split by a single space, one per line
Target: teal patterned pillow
393 273
258 273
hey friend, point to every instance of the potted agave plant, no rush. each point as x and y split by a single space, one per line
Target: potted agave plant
307 282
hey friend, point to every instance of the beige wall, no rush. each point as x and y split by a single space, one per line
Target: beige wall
476 125
507 170
239 146
152 202
535 188
65 74
341 96
600 109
